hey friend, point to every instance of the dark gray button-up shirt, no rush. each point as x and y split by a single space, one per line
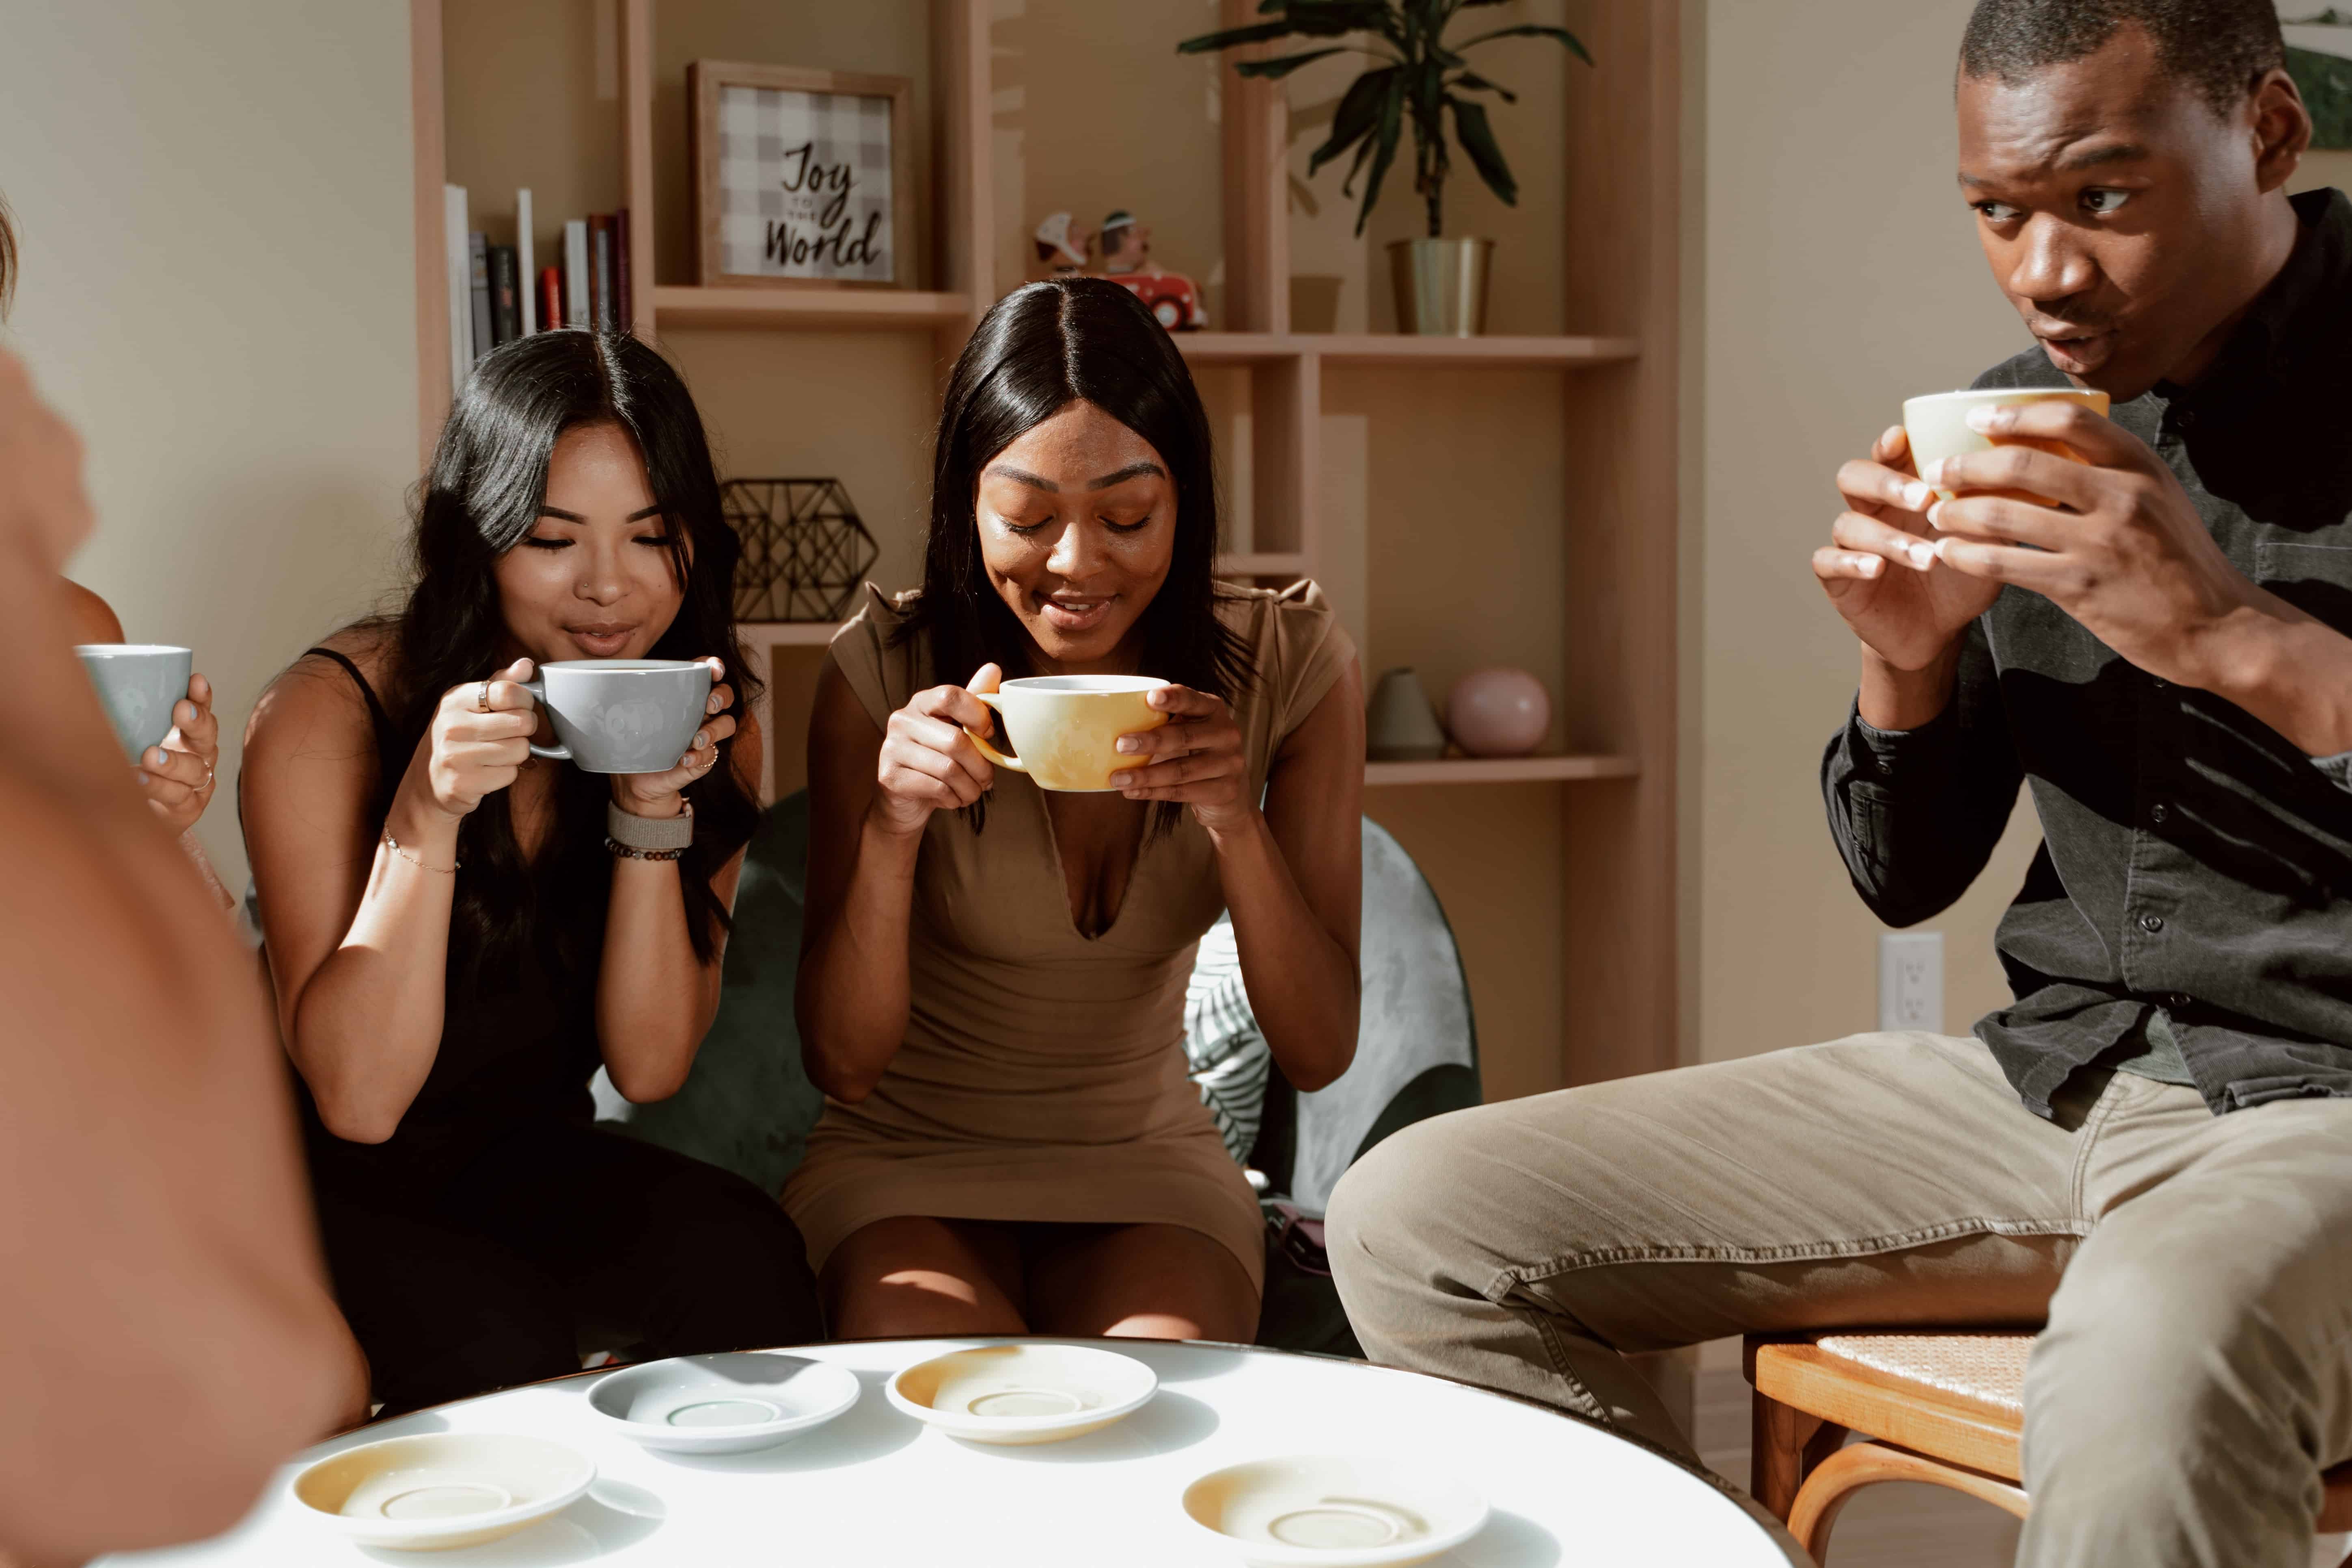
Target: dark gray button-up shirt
2195 875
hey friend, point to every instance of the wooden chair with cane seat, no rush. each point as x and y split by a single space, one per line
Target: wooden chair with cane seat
1943 1408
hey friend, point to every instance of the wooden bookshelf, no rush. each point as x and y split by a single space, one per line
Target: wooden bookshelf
1391 349
1613 616
1502 770
807 310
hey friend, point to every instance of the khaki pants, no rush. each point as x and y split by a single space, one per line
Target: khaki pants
2195 1271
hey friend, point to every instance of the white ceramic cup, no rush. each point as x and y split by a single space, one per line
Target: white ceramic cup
1938 424
1065 729
621 715
137 684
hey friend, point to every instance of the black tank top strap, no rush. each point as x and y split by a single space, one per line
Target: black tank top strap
386 742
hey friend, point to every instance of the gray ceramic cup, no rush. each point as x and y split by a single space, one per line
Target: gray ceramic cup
138 684
621 715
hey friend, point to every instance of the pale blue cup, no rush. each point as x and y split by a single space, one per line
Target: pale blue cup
138 684
621 715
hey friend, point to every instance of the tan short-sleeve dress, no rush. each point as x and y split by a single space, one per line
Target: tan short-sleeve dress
1043 1076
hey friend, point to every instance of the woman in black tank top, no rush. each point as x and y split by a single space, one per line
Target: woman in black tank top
460 936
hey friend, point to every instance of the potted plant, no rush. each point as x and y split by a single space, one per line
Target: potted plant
1440 284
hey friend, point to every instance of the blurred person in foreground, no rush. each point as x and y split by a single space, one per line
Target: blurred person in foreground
2148 1152
162 1297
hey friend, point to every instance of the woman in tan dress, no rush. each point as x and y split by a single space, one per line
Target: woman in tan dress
993 976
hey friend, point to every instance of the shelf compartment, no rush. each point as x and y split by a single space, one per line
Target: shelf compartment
788 634
1235 348
1501 770
1395 348
806 309
1262 563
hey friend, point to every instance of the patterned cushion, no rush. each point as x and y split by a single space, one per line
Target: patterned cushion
1229 1056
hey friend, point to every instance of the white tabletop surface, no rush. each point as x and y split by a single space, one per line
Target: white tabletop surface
875 1488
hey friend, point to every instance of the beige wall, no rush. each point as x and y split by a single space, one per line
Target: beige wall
1835 273
214 203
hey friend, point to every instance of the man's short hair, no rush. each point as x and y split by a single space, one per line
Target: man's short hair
2222 47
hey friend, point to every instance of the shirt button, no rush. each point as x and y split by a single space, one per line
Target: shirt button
2178 1000
2186 418
2162 684
2159 813
2151 923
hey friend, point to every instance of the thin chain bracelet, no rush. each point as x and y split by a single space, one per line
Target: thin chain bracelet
631 852
394 844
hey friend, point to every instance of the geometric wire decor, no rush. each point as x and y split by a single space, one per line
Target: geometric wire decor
805 552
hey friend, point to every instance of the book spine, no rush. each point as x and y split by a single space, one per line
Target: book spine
600 270
478 252
550 297
624 314
576 272
526 262
460 268
506 295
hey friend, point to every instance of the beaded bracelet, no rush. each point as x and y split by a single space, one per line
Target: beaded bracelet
631 852
418 861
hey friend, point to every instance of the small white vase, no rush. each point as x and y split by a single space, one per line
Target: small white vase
1399 724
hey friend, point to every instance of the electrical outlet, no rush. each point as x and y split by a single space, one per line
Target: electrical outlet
1911 981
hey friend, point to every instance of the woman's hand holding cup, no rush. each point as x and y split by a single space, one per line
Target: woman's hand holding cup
928 761
663 794
477 742
1196 759
177 774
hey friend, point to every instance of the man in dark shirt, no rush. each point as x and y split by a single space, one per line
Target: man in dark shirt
2150 1149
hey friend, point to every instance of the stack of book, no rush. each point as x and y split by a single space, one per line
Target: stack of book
496 293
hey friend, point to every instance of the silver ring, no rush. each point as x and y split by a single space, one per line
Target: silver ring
482 700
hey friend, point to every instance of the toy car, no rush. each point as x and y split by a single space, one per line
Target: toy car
1171 297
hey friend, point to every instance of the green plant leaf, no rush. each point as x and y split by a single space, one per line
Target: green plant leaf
1274 70
1383 143
1532 30
1473 82
1233 37
1365 15
1478 140
1359 112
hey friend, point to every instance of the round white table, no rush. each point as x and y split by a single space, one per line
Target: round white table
875 1488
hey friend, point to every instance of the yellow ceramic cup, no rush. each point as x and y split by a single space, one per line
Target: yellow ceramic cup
1938 424
1065 729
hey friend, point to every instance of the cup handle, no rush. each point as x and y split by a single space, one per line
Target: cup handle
991 752
536 687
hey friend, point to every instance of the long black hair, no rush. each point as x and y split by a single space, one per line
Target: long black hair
1037 351
480 499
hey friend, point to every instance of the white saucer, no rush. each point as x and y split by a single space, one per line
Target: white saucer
723 1403
1024 1392
1333 1510
442 1488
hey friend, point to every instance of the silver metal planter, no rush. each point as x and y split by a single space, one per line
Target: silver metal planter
1440 286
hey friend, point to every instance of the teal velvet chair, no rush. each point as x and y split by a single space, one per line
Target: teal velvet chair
747 1106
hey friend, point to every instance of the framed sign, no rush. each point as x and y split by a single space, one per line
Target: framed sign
802 179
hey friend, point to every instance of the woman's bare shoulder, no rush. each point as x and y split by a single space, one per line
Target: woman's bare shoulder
314 704
93 618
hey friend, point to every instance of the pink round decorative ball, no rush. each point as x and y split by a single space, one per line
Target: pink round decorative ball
1498 713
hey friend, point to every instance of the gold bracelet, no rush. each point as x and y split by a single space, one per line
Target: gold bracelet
394 844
